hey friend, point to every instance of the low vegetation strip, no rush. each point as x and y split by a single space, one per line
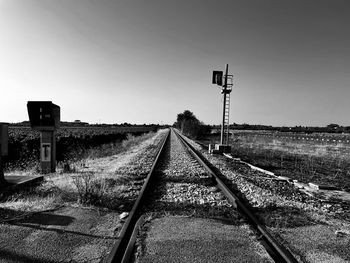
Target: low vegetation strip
318 162
72 143
305 162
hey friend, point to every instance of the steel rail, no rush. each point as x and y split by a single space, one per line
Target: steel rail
119 248
278 251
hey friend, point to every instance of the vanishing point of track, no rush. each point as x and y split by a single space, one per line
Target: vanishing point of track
123 248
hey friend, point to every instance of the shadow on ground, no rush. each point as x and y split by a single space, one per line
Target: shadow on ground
9 256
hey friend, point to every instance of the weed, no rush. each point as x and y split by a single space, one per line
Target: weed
132 140
90 189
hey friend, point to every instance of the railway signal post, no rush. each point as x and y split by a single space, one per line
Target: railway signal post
44 116
3 150
226 89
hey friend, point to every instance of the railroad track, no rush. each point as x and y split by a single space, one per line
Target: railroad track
176 159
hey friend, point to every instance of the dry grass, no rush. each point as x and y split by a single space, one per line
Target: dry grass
91 181
30 203
306 161
310 148
322 163
78 161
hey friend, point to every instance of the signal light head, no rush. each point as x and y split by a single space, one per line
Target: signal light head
217 77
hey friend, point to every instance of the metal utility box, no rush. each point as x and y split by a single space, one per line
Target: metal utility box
43 115
222 148
219 149
4 138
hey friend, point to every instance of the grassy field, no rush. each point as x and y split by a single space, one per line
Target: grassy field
318 158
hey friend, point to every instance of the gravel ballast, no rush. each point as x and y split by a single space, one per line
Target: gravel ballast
182 183
309 226
190 220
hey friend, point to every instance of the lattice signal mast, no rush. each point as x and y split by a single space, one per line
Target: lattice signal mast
226 89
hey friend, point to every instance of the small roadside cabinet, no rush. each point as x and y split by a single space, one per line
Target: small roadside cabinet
44 116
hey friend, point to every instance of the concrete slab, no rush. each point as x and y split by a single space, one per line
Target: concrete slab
69 234
18 181
323 187
185 239
299 184
284 178
318 243
334 195
250 165
14 180
324 194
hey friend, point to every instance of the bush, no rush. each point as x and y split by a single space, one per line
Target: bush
90 189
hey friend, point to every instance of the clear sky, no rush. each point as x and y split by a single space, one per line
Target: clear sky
146 61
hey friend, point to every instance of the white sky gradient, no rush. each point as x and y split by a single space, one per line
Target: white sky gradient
105 61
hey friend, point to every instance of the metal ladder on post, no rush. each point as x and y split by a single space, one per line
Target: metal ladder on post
227 117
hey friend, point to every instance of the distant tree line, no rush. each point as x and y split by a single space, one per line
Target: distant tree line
331 128
190 126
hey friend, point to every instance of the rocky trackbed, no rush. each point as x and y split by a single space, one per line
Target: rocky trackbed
183 196
315 229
